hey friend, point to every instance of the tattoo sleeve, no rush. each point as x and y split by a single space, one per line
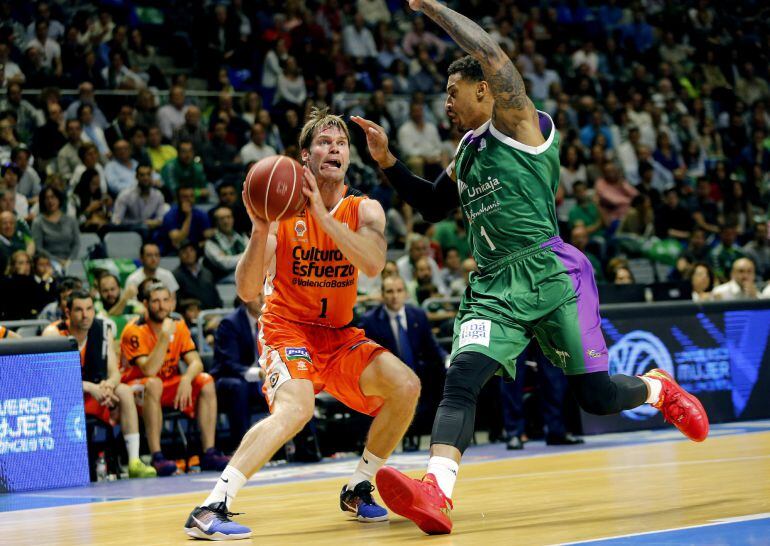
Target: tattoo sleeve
504 80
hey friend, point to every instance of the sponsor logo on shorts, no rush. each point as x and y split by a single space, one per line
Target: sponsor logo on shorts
274 379
297 353
301 366
563 356
593 354
475 331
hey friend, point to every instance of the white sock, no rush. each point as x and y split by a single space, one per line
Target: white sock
655 387
229 483
132 446
367 467
445 470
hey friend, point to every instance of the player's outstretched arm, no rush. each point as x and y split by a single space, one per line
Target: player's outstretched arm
434 200
513 114
250 271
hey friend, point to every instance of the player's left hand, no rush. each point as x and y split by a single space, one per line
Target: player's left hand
183 396
310 189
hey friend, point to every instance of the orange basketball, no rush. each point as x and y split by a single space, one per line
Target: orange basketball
274 187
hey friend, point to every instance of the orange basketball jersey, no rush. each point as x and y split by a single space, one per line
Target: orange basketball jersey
313 282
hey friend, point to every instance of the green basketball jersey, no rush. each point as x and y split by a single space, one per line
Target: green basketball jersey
507 190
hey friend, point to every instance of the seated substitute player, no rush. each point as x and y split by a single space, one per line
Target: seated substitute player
103 393
151 349
530 283
306 344
5 333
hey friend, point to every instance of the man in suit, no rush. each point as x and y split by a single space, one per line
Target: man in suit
405 331
235 368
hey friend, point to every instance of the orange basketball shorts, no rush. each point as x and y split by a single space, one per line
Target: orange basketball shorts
170 386
95 409
332 358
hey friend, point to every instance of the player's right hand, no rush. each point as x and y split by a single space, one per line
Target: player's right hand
377 140
258 222
168 327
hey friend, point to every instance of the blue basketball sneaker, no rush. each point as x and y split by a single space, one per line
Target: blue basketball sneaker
213 522
360 504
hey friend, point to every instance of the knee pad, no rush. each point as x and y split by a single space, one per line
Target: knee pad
456 414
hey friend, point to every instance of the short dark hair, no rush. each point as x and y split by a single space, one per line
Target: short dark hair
144 247
104 275
468 68
78 294
151 287
85 148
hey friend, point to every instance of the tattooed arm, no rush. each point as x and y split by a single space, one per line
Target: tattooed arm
513 114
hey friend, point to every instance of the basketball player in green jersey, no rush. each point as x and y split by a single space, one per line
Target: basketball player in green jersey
530 283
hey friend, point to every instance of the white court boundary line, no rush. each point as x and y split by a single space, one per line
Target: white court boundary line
725 521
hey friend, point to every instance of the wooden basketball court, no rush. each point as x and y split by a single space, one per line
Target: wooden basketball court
557 497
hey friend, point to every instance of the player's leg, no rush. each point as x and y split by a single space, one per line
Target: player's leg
150 390
204 399
571 338
292 408
480 348
129 425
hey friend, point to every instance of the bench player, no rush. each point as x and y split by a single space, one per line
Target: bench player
305 341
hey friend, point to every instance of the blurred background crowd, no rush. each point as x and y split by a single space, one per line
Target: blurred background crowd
126 128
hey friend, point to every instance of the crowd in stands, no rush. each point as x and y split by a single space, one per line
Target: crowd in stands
662 109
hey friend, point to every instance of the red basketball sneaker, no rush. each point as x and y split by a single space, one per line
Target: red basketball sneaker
422 501
680 408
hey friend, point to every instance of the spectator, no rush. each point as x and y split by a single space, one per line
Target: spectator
291 91
28 118
183 222
672 219
374 11
86 96
152 348
705 212
579 239
21 299
171 115
589 133
114 302
12 238
93 133
141 206
186 170
195 281
29 181
48 50
256 148
759 250
541 79
749 87
67 159
149 255
224 249
11 71
49 138
251 106
622 275
628 156
121 169
272 133
420 142
418 36
405 331
585 212
702 281
614 194
220 158
10 174
418 246
159 153
271 68
122 126
118 76
56 307
358 42
192 129
88 154
572 170
451 234
452 272
93 206
56 234
229 198
726 252
43 273
104 396
586 55
236 367
742 283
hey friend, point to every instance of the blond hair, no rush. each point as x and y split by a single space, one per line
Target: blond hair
318 120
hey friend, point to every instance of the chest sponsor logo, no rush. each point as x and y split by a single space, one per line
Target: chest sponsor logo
321 268
475 332
298 353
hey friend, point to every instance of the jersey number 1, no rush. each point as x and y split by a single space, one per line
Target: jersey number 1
323 308
489 241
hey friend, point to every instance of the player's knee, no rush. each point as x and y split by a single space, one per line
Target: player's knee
125 394
153 388
295 415
457 390
208 391
407 389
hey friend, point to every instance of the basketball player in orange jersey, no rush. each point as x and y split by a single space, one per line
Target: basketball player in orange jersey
305 341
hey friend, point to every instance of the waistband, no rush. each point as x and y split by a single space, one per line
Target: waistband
520 254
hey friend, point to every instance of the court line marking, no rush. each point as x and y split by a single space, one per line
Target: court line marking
712 523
